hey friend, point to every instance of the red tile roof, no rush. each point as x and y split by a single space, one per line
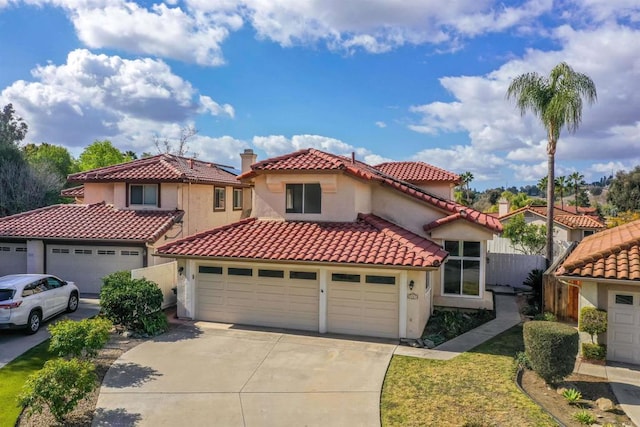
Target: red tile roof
561 217
417 172
609 254
160 168
313 160
77 191
370 240
92 222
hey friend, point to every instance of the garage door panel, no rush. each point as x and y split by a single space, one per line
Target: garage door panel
13 258
623 318
623 337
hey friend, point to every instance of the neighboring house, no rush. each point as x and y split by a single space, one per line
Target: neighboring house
335 245
568 226
127 210
605 268
77 193
430 178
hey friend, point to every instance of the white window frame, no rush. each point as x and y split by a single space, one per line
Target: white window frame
238 196
482 272
223 206
144 187
289 202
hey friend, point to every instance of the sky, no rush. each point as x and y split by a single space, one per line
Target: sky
387 79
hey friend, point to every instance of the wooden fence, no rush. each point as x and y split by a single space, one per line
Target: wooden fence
560 298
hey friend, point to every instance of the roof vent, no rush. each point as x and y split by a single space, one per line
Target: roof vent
353 157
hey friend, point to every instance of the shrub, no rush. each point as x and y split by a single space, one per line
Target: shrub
131 302
534 280
546 316
594 351
584 417
60 385
592 321
551 348
79 339
522 360
572 395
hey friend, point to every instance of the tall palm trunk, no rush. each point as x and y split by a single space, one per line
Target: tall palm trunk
550 196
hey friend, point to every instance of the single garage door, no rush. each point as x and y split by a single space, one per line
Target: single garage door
623 337
87 265
258 296
363 304
13 258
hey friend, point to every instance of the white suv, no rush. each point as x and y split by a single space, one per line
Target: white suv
28 299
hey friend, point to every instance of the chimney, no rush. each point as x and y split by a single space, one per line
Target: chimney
190 163
353 157
248 158
503 207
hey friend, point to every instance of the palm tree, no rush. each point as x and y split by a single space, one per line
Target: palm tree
576 180
466 179
557 101
561 184
542 184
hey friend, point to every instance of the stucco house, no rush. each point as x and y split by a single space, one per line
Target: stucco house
605 269
336 245
125 212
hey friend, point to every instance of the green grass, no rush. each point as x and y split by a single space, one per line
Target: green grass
475 388
14 375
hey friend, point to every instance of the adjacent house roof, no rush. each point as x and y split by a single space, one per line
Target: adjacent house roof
93 222
312 160
417 172
560 216
160 168
610 254
77 191
369 240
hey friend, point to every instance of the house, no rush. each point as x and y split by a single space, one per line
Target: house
122 213
335 245
428 177
605 270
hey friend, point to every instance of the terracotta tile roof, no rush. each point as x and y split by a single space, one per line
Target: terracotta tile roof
92 222
417 172
609 254
313 160
160 168
77 191
370 240
561 217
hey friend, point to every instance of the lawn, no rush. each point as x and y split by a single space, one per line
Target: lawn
473 389
14 375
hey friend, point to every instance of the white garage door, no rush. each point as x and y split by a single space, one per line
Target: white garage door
623 336
13 258
363 304
87 265
258 296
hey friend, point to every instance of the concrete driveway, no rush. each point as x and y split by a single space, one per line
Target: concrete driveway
13 343
208 374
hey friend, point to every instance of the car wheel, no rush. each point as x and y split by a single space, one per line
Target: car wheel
34 322
73 303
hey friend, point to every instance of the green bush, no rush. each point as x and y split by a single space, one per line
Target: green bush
592 321
572 395
60 385
546 316
79 339
594 351
584 417
132 303
551 348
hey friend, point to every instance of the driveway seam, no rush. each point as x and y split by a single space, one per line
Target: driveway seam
261 363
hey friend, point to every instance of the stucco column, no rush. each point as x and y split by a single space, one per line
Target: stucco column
402 315
322 309
35 256
189 289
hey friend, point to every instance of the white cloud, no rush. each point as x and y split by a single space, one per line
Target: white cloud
381 124
99 96
224 149
275 145
458 159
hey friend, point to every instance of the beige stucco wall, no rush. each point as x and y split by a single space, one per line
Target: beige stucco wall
444 190
418 303
197 202
403 210
99 192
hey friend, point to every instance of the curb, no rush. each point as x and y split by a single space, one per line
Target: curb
518 381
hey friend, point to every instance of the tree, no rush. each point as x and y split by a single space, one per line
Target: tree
542 184
561 186
528 239
465 180
624 191
56 157
181 147
100 154
12 128
557 101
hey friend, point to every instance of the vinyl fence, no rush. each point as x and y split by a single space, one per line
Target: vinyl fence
511 269
165 275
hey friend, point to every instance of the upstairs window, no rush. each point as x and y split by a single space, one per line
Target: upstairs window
218 198
143 194
303 198
237 199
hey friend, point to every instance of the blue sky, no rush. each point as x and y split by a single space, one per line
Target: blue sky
400 80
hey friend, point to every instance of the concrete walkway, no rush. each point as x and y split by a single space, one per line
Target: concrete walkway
214 374
625 383
14 343
507 316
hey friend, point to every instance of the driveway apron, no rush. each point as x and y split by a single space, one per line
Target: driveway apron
208 374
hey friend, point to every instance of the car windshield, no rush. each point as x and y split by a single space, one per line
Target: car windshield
6 294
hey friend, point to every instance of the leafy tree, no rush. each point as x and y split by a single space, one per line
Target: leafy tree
100 154
466 179
557 101
70 338
624 191
13 129
179 147
576 180
526 238
56 157
516 201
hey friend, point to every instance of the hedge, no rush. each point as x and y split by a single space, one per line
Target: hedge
551 348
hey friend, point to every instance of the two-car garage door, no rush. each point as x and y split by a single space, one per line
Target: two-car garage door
623 337
290 298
